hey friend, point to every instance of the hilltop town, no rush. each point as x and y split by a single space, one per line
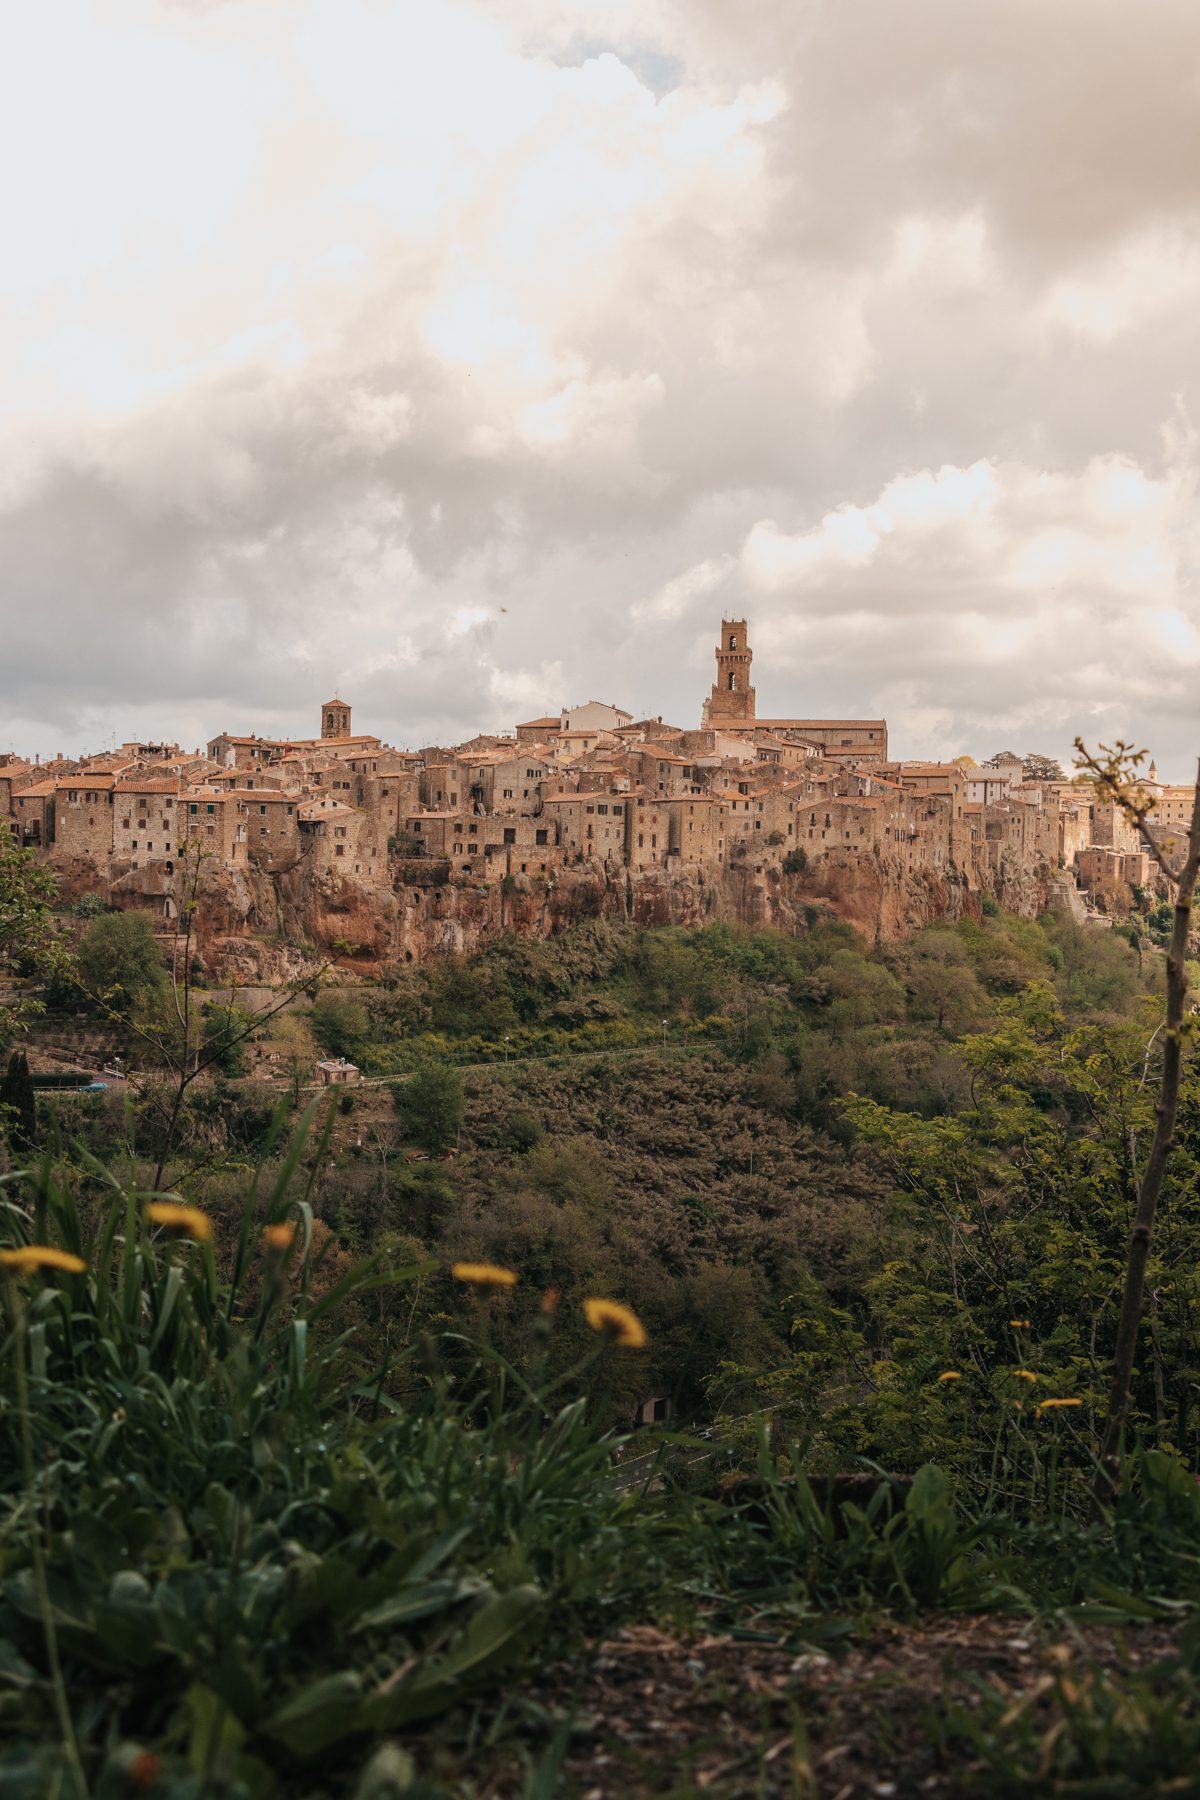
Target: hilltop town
342 838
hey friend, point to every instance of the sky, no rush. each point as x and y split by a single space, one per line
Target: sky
475 360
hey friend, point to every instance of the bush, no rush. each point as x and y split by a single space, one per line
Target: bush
340 1022
119 962
522 1133
431 1106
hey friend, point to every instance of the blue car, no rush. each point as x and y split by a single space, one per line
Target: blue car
93 1087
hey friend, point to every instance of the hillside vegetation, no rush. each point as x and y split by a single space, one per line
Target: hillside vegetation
291 1505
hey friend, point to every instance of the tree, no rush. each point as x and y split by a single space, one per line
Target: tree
294 1043
942 985
340 1021
431 1106
119 963
1115 772
18 1106
1041 768
165 1020
29 939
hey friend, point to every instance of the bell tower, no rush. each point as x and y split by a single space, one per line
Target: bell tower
732 698
335 719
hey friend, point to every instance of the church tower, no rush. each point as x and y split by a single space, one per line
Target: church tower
335 719
732 699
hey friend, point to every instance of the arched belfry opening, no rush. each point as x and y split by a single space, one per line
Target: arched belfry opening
335 719
732 697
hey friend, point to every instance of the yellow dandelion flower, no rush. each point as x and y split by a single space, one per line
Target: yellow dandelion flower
1021 1324
278 1237
620 1322
1026 1375
1047 1404
484 1275
175 1216
28 1257
950 1375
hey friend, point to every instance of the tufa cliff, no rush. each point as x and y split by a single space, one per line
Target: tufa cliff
250 924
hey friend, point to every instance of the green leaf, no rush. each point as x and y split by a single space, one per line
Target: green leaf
494 1633
929 1493
388 1775
419 1602
319 1714
217 1734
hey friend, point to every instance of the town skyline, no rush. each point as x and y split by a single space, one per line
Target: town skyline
291 724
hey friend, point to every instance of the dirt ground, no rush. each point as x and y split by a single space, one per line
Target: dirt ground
659 1716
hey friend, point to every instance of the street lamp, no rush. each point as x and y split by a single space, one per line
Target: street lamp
664 1026
507 1042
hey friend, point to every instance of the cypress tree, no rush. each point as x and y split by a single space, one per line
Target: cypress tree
18 1106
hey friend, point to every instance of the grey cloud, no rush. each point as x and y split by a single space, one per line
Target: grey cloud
228 552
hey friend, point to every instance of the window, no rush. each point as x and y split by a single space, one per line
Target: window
601 809
262 831
133 844
262 812
654 840
510 834
193 809
733 640
618 810
210 809
541 837
473 830
590 809
339 849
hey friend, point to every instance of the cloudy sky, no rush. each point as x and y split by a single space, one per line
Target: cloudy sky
474 359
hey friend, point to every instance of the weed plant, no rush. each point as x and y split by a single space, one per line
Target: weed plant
242 1554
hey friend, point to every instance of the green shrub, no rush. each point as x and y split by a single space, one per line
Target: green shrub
431 1106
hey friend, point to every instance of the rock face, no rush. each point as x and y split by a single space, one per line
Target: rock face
251 925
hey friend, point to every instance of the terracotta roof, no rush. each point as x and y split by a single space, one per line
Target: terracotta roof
317 809
811 724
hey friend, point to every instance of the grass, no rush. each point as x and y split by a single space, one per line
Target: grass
246 1553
